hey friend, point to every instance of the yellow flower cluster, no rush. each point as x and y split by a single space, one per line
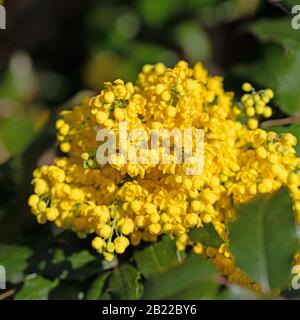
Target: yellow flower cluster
124 204
253 105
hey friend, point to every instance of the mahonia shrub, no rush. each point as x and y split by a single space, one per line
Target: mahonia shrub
124 204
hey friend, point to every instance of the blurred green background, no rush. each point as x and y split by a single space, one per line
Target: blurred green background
54 51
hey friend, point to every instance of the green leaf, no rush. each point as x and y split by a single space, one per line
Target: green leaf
66 291
96 289
288 82
17 133
63 256
80 259
15 260
194 41
201 4
195 278
291 3
280 73
37 288
125 283
277 31
106 296
263 239
78 266
266 65
293 128
157 257
8 87
207 235
201 290
235 292
155 13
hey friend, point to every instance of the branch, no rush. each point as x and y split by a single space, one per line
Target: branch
279 122
279 4
7 294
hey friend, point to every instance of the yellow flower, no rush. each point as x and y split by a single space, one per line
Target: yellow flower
98 243
122 204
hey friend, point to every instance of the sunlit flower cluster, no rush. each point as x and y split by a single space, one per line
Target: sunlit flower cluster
124 204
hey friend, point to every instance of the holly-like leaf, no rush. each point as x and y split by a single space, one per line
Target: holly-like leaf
66 291
235 292
267 65
17 133
287 88
291 3
195 278
37 288
207 235
125 283
157 257
193 40
14 259
156 13
202 290
263 239
80 265
96 289
80 259
277 31
63 256
280 73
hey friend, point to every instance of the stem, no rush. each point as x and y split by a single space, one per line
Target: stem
178 256
277 122
279 4
116 217
223 280
7 294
